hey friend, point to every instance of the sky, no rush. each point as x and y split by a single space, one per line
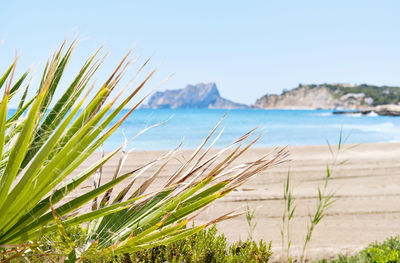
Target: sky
249 48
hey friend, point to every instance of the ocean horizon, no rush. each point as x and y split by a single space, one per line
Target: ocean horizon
279 127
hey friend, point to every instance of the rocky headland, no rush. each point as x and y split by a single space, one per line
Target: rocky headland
192 96
344 98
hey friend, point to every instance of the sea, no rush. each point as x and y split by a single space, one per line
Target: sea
278 127
164 129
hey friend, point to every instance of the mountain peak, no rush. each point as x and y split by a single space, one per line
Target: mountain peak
203 88
201 95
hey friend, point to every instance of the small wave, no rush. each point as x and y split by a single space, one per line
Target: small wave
324 114
372 114
385 127
354 114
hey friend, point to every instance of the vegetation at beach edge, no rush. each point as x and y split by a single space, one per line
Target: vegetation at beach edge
209 246
387 251
204 246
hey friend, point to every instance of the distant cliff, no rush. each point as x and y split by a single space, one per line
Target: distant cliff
192 96
331 96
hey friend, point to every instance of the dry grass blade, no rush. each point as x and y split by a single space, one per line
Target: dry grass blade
120 164
227 216
192 157
151 179
208 163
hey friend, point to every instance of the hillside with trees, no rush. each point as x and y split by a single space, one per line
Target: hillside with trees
331 96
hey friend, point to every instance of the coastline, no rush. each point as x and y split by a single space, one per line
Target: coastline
367 187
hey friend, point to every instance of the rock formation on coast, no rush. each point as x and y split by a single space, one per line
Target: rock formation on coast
331 96
192 96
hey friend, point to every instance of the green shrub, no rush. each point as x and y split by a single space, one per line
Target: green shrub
249 251
204 246
386 252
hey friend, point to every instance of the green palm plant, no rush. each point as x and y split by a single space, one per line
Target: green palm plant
40 146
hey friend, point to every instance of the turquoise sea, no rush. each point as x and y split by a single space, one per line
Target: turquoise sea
280 127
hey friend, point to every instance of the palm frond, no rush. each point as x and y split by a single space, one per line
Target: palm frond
46 139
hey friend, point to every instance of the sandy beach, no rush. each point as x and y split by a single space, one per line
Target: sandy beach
367 188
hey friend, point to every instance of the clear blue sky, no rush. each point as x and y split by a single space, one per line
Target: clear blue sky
248 48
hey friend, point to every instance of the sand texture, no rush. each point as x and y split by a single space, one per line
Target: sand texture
367 188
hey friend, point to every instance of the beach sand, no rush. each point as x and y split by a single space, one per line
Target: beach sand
367 188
